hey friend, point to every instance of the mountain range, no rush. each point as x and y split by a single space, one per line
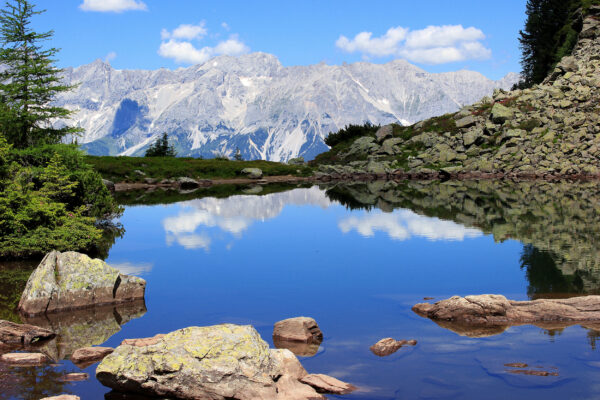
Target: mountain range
254 104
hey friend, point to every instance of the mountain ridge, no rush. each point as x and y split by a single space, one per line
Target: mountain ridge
254 103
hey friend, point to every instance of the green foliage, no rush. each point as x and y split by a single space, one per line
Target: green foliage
161 148
238 155
47 205
30 81
351 132
550 33
120 169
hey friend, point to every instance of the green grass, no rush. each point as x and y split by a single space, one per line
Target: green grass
121 169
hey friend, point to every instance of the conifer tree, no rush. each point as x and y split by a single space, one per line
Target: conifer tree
29 81
161 148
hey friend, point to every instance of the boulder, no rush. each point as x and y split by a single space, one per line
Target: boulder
299 329
466 122
501 114
388 346
296 161
218 362
87 356
22 334
25 359
185 183
327 384
298 348
252 173
386 131
490 310
288 363
72 280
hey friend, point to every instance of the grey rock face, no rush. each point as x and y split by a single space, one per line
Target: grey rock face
255 104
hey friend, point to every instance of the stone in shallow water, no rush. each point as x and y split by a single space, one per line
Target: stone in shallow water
299 329
388 346
87 356
327 384
72 280
74 377
62 397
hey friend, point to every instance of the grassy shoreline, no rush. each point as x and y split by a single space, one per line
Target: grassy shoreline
127 169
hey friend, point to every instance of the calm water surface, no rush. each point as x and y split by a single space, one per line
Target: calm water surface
356 258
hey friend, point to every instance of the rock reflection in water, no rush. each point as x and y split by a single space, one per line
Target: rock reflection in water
86 327
298 348
558 222
30 383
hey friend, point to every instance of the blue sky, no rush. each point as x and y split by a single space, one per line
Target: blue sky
436 35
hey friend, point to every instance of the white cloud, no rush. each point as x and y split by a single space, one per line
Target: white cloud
177 45
113 5
185 32
110 56
406 224
432 45
225 26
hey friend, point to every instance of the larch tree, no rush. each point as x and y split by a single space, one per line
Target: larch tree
29 81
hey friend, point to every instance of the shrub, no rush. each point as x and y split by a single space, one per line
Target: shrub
350 132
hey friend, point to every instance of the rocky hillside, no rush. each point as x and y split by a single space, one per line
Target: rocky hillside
255 104
551 129
559 220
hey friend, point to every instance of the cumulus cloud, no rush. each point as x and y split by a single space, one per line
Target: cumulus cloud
432 45
177 45
185 32
113 5
405 224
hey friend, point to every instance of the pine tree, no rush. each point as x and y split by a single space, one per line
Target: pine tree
29 82
161 148
238 155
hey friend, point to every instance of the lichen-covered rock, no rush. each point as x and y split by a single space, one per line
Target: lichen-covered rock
72 280
384 132
218 362
252 173
296 161
185 183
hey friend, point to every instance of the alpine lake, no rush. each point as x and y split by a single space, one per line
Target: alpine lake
356 258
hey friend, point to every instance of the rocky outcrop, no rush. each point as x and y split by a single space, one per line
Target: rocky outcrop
491 314
551 129
217 362
65 281
87 356
388 346
23 334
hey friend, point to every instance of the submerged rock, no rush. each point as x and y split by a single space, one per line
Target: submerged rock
388 346
74 377
299 329
216 362
72 280
22 334
497 311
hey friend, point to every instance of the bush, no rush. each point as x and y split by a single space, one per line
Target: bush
161 148
49 200
350 132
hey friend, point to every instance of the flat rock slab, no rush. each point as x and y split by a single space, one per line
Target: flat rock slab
62 397
70 280
497 311
299 329
25 359
388 346
327 384
87 356
22 334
